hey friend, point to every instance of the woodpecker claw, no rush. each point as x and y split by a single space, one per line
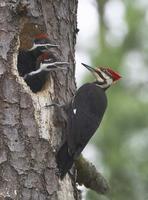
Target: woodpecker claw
58 173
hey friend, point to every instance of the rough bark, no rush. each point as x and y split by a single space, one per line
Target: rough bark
29 133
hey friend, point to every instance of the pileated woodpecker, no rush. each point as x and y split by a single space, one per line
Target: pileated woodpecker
33 64
86 111
44 64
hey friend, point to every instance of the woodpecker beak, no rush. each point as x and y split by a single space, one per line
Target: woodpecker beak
51 45
54 66
45 45
89 68
96 73
46 66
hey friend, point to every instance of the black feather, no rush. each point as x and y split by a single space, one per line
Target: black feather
85 115
64 160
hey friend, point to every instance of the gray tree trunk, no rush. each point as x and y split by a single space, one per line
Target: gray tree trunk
30 133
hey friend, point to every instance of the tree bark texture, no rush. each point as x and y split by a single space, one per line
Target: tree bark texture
30 134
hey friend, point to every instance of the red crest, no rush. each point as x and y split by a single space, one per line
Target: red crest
40 36
116 76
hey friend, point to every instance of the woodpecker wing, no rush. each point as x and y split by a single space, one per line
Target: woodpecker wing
86 113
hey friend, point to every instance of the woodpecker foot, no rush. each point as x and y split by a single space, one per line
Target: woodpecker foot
70 173
58 173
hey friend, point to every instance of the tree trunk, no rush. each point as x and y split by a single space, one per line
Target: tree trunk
30 134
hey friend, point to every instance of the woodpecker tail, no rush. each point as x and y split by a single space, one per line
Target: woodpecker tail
64 160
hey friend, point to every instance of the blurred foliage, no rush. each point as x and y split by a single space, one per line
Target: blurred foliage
123 135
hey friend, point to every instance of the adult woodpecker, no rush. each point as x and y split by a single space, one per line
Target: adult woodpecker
35 63
86 111
44 64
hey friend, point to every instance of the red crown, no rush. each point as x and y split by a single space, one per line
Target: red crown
43 57
40 36
116 76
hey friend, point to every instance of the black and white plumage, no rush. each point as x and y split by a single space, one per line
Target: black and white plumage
45 63
86 107
35 63
27 58
85 115
35 80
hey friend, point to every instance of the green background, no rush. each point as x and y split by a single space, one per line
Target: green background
122 139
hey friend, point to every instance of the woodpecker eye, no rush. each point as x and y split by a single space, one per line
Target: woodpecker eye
106 71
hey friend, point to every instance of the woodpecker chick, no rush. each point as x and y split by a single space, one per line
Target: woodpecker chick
27 59
35 63
45 64
86 111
